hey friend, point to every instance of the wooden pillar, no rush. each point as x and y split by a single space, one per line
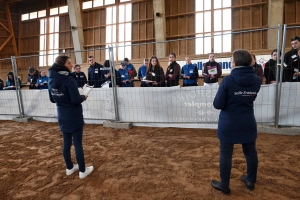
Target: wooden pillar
275 17
160 27
76 29
11 30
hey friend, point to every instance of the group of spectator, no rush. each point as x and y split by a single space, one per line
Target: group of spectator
151 74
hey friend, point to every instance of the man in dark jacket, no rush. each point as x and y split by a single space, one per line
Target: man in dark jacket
96 73
211 71
290 57
80 76
33 76
237 124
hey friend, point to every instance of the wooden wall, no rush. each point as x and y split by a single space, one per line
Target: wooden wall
180 24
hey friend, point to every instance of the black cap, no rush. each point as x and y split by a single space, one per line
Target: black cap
123 63
126 59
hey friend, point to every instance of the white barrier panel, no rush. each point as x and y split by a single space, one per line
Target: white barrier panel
188 105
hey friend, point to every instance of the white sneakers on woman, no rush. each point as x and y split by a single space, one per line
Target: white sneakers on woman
88 170
82 175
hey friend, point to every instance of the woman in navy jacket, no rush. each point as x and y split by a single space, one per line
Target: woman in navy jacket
237 124
64 92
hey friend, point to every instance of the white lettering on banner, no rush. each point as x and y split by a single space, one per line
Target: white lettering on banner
198 105
245 93
193 94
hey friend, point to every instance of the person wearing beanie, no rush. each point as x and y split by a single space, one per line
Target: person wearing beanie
64 92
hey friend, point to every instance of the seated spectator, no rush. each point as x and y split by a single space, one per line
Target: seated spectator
1 84
10 82
131 70
79 76
33 76
142 72
125 77
257 68
155 74
189 72
42 82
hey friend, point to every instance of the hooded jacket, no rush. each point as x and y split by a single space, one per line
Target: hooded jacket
64 92
235 98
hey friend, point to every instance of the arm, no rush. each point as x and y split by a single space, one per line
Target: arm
134 71
221 96
176 72
205 72
84 78
260 74
140 73
72 88
162 78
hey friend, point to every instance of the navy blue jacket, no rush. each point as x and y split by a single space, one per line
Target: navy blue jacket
64 92
235 98
42 79
80 78
96 75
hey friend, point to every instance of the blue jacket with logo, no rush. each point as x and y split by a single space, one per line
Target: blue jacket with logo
96 75
80 78
42 79
64 92
192 71
124 76
142 74
235 98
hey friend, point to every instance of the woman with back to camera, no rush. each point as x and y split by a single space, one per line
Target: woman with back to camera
64 92
155 74
237 124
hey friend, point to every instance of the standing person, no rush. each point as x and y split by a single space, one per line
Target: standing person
270 68
80 76
142 72
96 73
131 70
237 124
33 76
64 92
125 78
257 68
106 65
290 57
294 68
173 71
42 82
155 74
189 72
211 71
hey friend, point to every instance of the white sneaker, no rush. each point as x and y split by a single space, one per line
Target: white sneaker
71 171
88 170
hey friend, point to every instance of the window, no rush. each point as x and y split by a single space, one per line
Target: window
42 13
213 37
63 9
33 15
53 11
97 3
25 17
49 40
122 40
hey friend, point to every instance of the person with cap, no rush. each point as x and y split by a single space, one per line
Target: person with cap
33 76
42 82
125 79
79 76
96 73
131 70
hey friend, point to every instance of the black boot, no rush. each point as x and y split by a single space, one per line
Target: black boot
250 186
217 186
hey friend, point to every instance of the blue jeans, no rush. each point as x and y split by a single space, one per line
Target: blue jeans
77 139
250 153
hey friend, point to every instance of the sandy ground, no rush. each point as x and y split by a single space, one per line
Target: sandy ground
140 163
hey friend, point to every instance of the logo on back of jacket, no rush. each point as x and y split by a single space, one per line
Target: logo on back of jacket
245 93
55 92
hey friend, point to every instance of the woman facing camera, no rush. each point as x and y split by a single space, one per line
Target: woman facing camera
237 124
64 92
155 74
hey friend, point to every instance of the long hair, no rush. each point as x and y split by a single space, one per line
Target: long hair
61 60
150 64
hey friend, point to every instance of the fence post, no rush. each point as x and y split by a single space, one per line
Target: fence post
113 81
18 87
279 76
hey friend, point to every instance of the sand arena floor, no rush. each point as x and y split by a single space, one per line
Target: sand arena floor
140 163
